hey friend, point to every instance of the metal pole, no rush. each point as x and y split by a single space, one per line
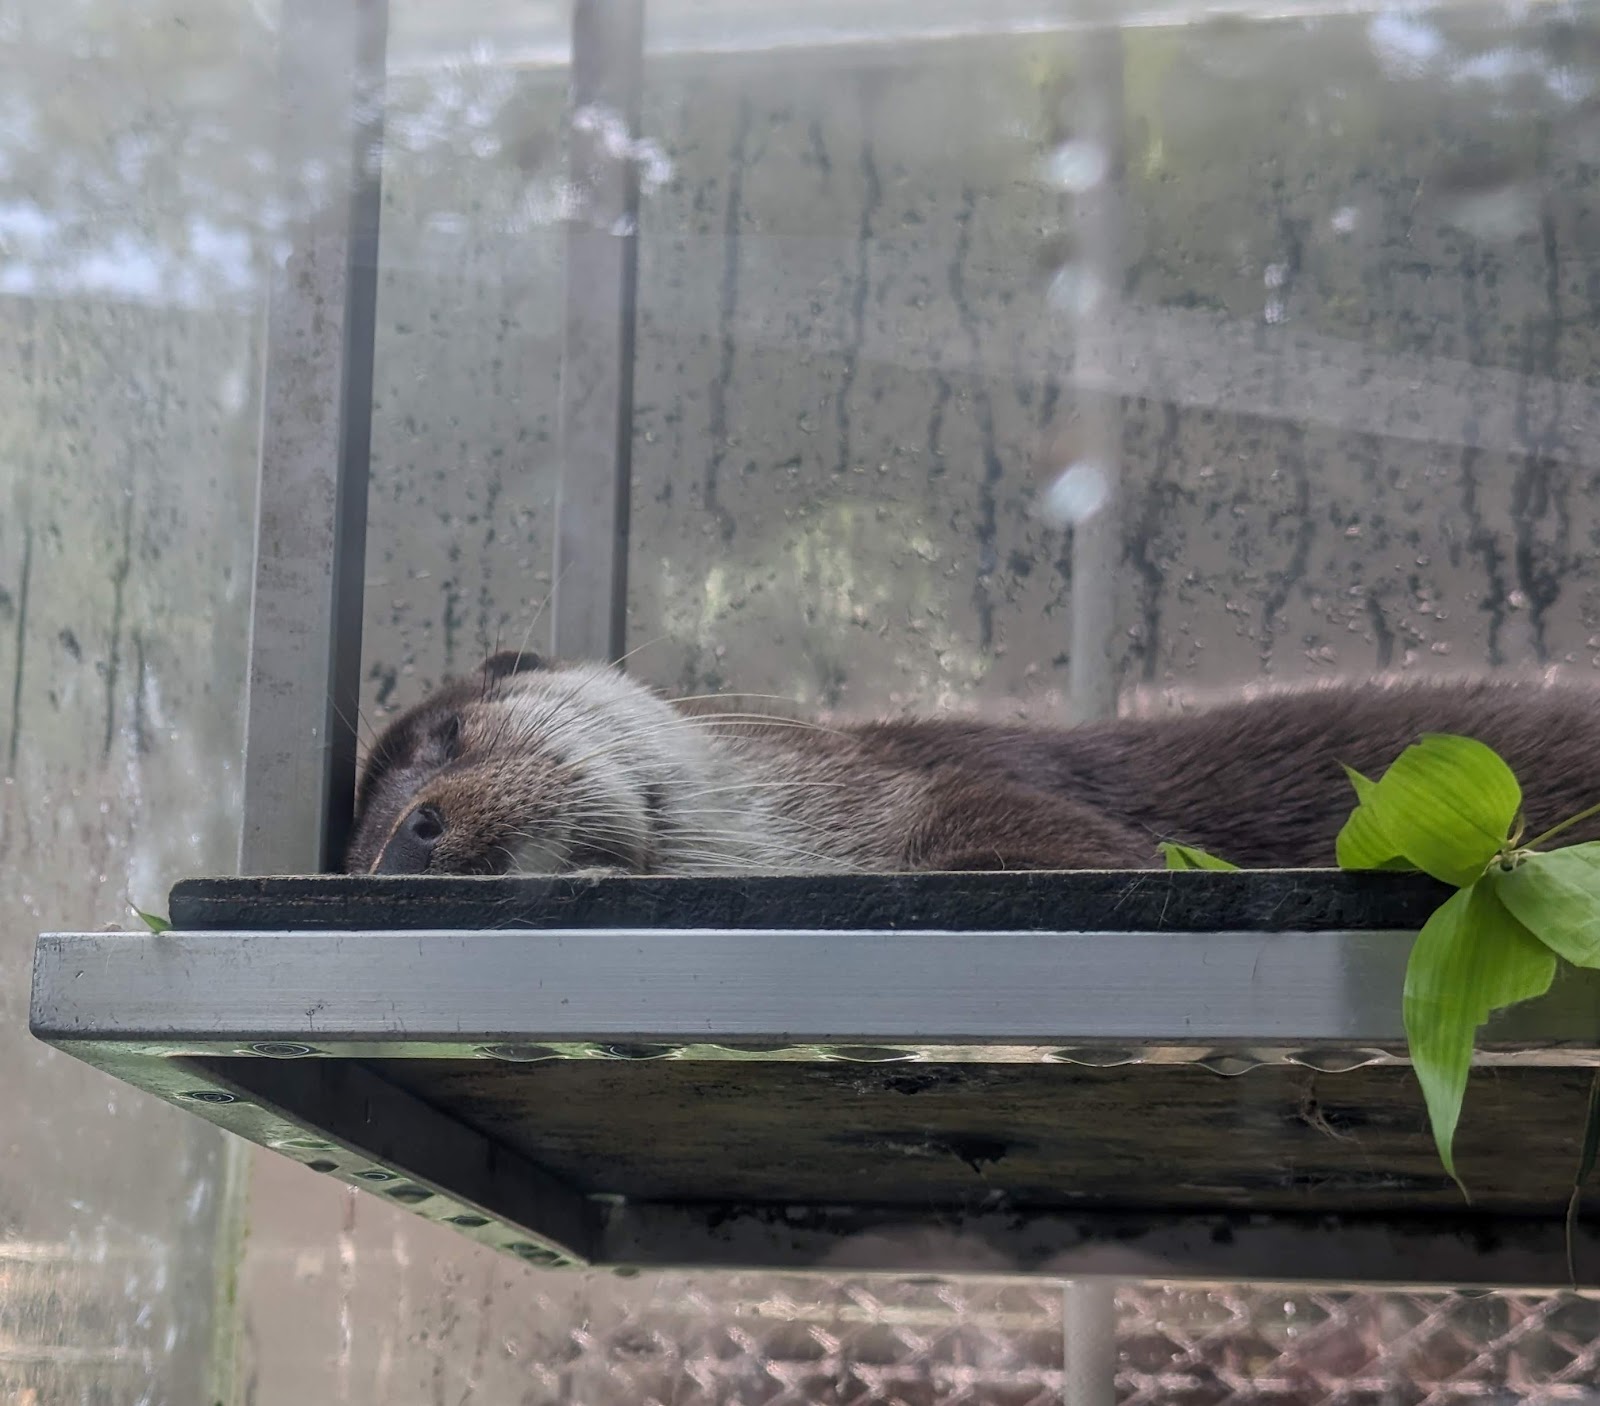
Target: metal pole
1088 1308
1097 537
590 590
306 605
1088 1343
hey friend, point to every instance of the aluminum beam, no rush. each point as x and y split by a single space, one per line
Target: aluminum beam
590 582
1028 993
306 604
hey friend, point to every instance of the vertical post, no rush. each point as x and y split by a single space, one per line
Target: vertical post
590 588
1089 1318
311 516
1088 1343
1097 538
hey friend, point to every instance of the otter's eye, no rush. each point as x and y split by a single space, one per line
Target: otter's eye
447 737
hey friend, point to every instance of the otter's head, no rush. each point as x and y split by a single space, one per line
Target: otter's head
525 769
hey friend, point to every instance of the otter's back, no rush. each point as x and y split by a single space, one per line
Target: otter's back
1260 781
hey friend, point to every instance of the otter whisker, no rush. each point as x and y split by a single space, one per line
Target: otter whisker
730 722
360 720
639 648
539 610
819 827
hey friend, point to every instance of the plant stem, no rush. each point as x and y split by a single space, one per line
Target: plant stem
1555 830
1591 1149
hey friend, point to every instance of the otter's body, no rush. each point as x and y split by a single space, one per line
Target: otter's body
541 770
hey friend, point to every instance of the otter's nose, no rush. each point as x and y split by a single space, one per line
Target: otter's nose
410 848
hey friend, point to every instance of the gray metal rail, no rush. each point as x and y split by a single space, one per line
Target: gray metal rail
314 1044
316 437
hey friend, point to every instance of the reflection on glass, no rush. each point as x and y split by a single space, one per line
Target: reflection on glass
1301 310
133 234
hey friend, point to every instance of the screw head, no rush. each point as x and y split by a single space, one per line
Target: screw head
534 1254
635 1051
517 1054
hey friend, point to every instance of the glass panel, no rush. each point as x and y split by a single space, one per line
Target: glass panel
984 357
131 149
341 1299
468 358
1345 312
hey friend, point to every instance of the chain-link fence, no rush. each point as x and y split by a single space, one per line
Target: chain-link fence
764 1341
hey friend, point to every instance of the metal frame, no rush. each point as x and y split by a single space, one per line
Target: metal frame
1088 1310
590 579
1096 545
1416 1252
1331 999
316 437
281 1037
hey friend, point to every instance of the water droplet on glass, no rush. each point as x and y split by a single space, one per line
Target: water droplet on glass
1405 44
1498 215
1075 290
1077 495
1077 166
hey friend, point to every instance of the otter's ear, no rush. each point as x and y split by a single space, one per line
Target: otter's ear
508 662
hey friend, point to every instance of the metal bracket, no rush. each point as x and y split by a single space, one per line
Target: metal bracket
306 605
588 617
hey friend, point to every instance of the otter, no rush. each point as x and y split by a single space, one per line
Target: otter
536 768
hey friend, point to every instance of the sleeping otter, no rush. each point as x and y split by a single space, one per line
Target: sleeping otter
536 769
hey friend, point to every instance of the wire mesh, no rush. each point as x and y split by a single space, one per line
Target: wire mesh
814 1341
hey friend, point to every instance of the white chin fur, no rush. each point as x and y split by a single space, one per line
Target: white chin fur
537 857
628 742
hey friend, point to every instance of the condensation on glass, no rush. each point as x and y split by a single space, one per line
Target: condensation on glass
132 237
984 357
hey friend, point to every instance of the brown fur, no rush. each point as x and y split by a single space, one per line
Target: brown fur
1258 782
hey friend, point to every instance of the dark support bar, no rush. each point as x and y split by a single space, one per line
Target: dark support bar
1419 1252
306 609
438 1153
596 414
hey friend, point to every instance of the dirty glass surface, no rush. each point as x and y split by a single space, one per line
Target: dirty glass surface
986 357
1336 276
129 268
991 358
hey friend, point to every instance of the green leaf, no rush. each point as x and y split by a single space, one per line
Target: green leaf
1188 857
1447 804
1362 843
155 923
1471 957
1556 896
1366 788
